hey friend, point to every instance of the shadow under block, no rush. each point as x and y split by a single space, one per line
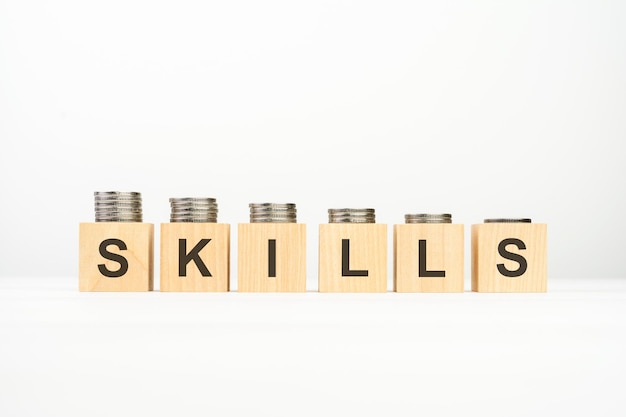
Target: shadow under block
509 257
271 257
116 256
441 253
195 257
360 266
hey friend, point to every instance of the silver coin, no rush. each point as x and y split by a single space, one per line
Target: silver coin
273 213
118 209
198 215
352 215
272 220
508 220
194 206
199 205
116 193
270 213
194 210
117 214
427 218
113 199
197 200
199 218
352 220
189 216
272 205
174 201
120 202
193 214
193 220
351 210
204 209
118 198
117 204
272 209
433 221
420 215
118 221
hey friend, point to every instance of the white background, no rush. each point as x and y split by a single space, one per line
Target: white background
477 108
65 353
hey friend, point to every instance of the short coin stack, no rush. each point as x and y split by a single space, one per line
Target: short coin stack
347 215
193 210
117 206
508 221
272 213
427 218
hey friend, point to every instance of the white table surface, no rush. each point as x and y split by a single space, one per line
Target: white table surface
65 353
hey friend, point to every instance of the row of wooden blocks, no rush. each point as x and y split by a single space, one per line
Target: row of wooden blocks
271 257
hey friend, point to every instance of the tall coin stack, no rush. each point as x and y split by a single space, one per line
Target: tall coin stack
347 215
272 213
427 218
193 210
508 221
117 206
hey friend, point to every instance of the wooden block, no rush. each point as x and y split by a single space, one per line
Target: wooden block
509 257
271 257
352 257
116 256
428 257
195 257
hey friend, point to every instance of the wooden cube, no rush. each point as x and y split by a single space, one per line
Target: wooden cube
509 257
116 256
428 257
195 257
271 257
352 257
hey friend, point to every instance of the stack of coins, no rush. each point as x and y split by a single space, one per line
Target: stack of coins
507 221
428 218
346 215
117 206
193 210
272 213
